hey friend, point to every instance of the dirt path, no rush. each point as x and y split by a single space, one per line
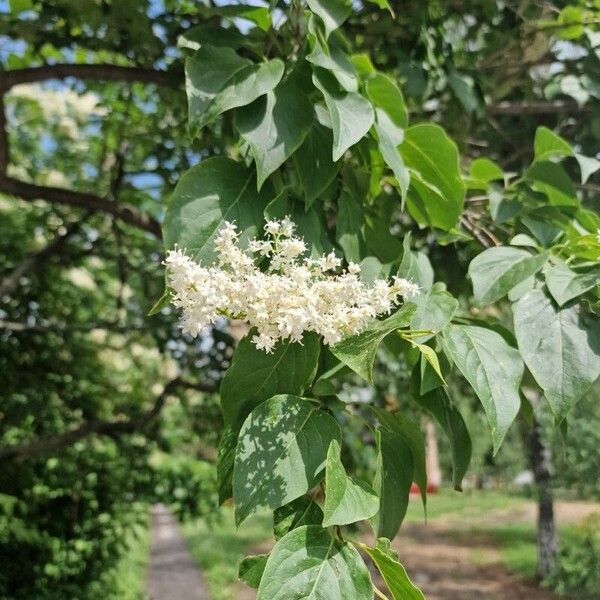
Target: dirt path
172 574
464 567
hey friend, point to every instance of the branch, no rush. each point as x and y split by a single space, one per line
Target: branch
114 429
126 212
536 108
103 72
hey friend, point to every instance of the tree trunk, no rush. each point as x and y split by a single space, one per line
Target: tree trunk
540 459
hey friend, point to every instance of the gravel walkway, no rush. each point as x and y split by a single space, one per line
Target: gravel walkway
172 573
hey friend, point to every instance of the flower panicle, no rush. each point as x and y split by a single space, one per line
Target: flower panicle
293 295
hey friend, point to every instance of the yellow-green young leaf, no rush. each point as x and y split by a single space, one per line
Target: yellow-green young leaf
549 145
275 125
303 511
435 308
251 569
565 284
358 351
280 453
392 482
497 270
394 575
428 354
401 425
217 190
438 404
560 346
493 368
430 378
485 170
346 500
309 563
332 12
431 154
351 114
255 376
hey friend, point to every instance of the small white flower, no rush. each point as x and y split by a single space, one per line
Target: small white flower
292 297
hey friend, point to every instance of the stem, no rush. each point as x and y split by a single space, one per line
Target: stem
379 593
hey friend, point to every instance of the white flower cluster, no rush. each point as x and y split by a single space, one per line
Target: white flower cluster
64 106
293 295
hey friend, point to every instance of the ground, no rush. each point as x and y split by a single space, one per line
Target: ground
473 547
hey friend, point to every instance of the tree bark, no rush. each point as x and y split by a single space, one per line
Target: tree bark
540 460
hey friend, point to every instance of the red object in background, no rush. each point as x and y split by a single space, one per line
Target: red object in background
431 488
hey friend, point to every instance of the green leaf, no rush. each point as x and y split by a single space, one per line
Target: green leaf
331 57
215 191
358 351
388 140
549 145
392 482
161 303
401 425
438 404
349 227
497 270
208 35
431 376
251 569
280 453
314 164
300 512
463 88
207 72
485 170
565 284
332 12
226 458
552 180
493 368
560 346
435 308
275 125
394 575
346 500
415 266
570 22
428 151
213 89
385 94
428 354
309 563
254 375
351 114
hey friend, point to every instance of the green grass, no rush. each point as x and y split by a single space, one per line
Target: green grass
470 503
219 547
126 581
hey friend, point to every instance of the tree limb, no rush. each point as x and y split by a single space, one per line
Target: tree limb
126 212
535 108
103 72
114 429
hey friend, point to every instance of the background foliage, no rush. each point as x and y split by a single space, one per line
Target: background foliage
90 156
